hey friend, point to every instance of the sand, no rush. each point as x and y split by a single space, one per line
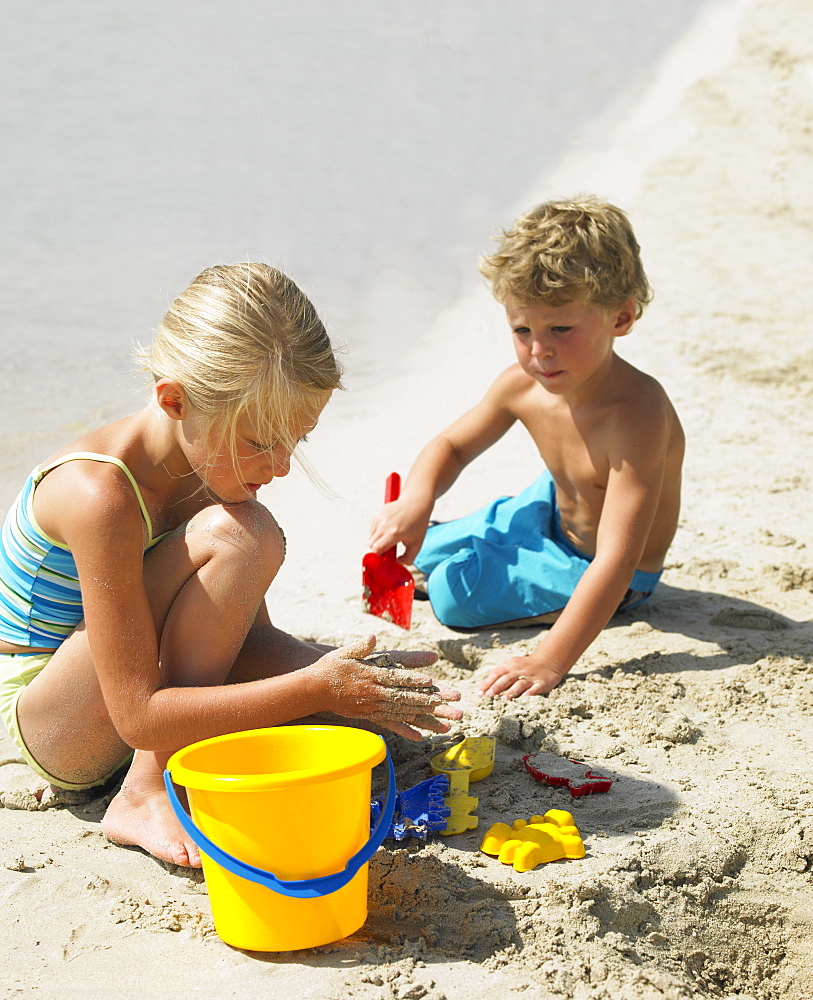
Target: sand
697 878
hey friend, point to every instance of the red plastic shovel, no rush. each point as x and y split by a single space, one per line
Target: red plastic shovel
387 586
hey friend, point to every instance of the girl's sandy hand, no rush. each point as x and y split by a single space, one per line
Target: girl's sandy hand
519 675
389 695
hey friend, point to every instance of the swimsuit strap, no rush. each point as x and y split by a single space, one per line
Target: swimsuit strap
93 456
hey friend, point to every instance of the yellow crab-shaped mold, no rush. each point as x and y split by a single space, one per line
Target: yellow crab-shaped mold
541 839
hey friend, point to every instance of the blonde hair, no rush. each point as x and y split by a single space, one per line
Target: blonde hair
244 340
563 251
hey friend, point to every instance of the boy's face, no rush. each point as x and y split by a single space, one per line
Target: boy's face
567 347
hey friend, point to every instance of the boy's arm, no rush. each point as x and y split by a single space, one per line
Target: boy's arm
440 463
634 484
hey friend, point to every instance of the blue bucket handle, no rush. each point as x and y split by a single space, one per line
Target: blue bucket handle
306 888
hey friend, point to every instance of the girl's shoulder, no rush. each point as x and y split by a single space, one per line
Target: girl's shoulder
120 477
86 491
90 486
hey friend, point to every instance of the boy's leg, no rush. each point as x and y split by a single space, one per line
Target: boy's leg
642 587
503 565
632 599
204 582
546 619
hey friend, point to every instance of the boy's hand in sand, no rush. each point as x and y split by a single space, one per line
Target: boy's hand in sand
390 695
520 675
400 521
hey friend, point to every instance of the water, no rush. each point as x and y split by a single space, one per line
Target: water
370 149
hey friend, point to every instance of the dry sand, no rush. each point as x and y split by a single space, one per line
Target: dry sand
698 875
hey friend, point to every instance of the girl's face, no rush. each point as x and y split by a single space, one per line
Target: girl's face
255 463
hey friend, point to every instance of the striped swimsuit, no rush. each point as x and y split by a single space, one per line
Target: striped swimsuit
41 603
40 599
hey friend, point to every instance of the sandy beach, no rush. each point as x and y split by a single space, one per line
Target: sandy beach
698 876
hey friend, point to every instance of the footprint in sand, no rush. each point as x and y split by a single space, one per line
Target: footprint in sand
752 618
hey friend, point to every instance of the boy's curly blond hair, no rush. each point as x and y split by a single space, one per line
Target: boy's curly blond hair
565 251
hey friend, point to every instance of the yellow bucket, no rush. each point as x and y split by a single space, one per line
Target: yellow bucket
282 820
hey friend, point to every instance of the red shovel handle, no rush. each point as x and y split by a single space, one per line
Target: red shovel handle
392 490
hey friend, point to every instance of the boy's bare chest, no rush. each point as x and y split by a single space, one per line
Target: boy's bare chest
574 452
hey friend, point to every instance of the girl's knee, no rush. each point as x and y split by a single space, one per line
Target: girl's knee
247 534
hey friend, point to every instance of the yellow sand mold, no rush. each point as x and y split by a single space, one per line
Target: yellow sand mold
543 838
470 760
474 754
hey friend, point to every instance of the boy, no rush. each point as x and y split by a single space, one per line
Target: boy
590 536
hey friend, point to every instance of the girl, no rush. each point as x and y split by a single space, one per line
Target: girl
135 561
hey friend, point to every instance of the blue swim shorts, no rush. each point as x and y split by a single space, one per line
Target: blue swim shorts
508 561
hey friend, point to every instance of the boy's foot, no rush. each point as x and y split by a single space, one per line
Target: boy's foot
142 817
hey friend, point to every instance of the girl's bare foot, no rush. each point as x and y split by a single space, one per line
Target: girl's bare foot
141 816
